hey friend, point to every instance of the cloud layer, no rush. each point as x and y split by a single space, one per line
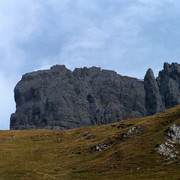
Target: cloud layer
125 36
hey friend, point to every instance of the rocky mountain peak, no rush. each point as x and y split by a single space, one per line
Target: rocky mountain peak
166 66
153 97
61 99
58 68
169 83
149 73
86 71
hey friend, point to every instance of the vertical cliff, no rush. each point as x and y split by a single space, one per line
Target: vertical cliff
61 99
153 98
169 83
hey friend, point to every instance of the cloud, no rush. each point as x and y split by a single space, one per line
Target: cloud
91 30
7 106
125 36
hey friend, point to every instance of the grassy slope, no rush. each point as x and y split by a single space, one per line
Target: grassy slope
44 154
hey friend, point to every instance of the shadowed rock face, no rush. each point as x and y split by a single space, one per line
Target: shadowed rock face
61 99
169 84
153 97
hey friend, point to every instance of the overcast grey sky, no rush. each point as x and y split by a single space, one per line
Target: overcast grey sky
127 36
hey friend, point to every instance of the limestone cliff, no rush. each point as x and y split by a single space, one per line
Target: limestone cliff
61 99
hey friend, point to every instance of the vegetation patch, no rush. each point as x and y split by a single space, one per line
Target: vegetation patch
123 150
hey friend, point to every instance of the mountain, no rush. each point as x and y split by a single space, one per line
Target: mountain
143 148
61 99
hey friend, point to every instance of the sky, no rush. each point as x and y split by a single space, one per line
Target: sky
127 36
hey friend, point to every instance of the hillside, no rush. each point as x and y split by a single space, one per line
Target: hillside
123 150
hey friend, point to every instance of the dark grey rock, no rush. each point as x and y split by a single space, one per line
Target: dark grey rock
153 97
169 84
61 99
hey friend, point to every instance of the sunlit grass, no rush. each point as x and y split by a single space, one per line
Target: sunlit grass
68 154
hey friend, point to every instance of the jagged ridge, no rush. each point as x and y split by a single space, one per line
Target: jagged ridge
61 99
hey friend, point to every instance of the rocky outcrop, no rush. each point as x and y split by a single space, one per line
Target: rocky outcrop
173 134
168 148
169 84
100 147
153 97
61 99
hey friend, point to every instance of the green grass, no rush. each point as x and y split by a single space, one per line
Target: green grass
68 154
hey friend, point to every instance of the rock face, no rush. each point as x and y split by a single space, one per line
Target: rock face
169 84
153 97
174 134
61 99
